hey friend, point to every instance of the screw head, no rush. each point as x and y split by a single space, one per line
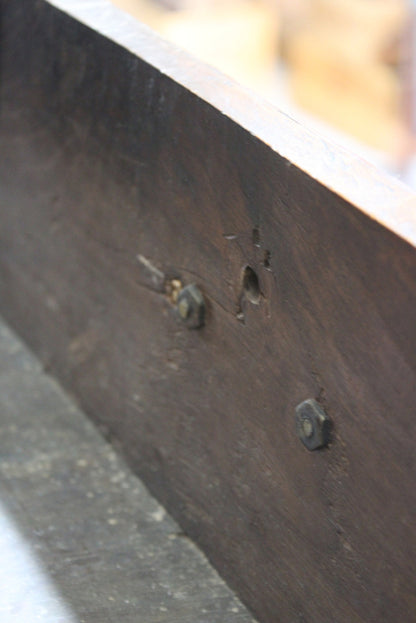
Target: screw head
190 305
312 425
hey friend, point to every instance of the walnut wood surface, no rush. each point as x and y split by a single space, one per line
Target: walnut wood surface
81 538
110 168
378 195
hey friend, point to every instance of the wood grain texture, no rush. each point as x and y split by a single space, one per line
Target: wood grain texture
106 160
81 537
381 197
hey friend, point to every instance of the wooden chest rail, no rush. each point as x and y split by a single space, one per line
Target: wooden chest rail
130 171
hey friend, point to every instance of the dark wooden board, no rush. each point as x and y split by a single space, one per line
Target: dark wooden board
81 538
106 160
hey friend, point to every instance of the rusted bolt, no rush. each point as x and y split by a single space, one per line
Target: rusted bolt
191 306
312 425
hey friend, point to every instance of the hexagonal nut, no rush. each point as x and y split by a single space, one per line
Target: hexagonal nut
313 426
190 305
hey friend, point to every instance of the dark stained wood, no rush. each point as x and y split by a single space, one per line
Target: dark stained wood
110 167
71 507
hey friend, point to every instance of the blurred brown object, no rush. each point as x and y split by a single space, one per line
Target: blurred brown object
344 67
239 37
406 158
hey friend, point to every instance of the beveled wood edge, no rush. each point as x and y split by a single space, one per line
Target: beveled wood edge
374 192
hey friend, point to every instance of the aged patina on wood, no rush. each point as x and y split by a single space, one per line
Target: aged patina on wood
69 505
116 179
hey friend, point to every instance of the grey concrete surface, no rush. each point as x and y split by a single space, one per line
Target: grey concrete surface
81 539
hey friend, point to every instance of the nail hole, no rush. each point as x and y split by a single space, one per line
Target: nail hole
266 259
256 237
251 288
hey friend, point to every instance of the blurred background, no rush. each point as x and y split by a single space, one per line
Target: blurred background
346 68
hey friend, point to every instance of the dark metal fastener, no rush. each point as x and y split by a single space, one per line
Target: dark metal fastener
312 425
191 306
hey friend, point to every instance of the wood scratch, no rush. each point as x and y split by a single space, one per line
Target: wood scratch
154 277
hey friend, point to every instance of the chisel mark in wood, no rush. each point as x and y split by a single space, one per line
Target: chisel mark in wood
255 235
266 260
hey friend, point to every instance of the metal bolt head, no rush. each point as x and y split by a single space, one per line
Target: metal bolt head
312 425
191 307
